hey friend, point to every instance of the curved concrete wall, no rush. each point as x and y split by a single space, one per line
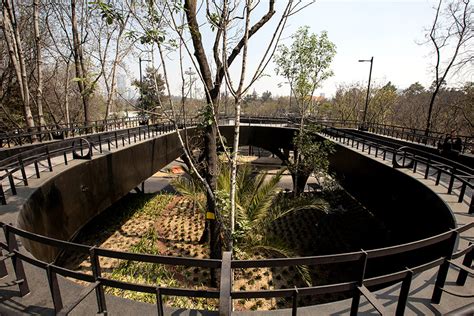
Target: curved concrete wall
409 209
63 204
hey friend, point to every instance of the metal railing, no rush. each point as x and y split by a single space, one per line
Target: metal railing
96 280
14 168
62 131
38 134
406 157
224 292
418 136
401 132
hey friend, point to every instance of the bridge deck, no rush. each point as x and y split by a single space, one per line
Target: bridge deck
39 300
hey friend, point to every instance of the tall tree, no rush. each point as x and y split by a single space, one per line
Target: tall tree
115 17
39 62
305 64
452 35
15 51
79 63
152 90
212 88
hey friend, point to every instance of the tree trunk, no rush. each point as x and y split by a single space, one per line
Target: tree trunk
299 181
66 95
15 51
79 63
210 133
214 223
39 65
113 85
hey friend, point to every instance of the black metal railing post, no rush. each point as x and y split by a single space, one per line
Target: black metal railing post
54 289
37 169
467 262
3 266
427 170
443 271
451 180
159 302
50 166
23 172
3 198
360 282
100 144
438 176
12 183
16 262
225 288
294 305
404 292
99 290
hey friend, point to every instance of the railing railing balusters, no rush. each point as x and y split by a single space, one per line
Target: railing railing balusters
467 262
23 172
294 304
16 262
54 289
443 270
96 272
159 302
404 293
451 180
360 282
3 198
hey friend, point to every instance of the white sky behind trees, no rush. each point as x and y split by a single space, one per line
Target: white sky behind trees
393 31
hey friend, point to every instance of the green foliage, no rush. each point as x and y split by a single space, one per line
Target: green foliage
266 96
191 188
152 36
107 11
206 115
151 90
214 20
382 103
256 209
251 97
305 64
142 272
313 155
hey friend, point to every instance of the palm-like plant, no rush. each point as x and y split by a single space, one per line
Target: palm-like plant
256 210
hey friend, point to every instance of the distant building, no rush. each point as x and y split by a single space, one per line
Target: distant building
122 86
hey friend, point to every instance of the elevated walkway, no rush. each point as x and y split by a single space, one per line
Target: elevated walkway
39 301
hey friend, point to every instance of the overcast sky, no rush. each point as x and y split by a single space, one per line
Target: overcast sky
390 31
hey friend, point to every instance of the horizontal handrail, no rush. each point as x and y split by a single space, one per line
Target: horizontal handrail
313 260
441 165
169 260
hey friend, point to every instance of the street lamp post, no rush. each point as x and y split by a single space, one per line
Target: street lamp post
141 77
364 124
190 73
